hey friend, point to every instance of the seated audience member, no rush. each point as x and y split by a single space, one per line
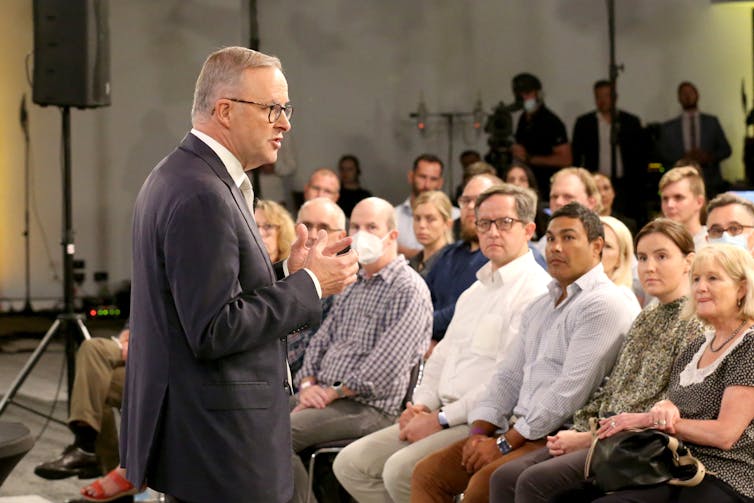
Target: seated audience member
709 403
618 256
682 194
730 220
432 227
467 158
487 319
351 191
696 136
357 366
316 214
97 388
425 175
322 183
640 377
572 185
456 266
521 175
607 196
276 227
569 341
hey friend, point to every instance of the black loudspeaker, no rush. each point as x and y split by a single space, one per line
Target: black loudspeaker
71 53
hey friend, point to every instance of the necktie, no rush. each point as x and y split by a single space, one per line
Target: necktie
248 194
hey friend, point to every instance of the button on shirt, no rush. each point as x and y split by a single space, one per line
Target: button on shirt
561 357
487 319
375 333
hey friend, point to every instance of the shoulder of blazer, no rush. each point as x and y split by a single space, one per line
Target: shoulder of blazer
197 147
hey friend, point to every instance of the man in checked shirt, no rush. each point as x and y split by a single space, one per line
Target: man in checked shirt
356 368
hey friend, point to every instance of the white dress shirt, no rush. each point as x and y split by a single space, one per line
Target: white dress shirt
486 320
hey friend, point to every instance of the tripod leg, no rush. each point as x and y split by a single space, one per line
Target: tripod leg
82 328
30 363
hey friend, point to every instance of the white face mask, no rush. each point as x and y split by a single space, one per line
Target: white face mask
531 104
741 240
368 247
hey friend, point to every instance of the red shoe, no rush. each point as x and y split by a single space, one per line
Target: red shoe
95 491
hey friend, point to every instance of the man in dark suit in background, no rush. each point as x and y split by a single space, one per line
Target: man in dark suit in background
695 136
591 150
205 405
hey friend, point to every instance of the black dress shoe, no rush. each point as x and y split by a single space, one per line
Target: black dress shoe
72 462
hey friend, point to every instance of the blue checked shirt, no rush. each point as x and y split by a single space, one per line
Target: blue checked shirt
375 332
561 356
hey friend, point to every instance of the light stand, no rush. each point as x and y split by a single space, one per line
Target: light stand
70 324
614 69
421 116
24 117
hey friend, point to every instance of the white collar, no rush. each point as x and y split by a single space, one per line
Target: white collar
233 165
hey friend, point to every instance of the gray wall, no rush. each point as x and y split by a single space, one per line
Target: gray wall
356 69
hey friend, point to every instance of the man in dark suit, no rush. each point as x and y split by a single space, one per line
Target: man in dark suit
591 149
695 136
205 404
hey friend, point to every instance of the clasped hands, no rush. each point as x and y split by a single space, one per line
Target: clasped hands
334 272
417 422
662 416
315 397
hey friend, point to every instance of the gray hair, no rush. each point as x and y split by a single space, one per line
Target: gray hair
222 72
525 199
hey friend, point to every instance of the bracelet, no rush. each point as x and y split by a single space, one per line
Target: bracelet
476 430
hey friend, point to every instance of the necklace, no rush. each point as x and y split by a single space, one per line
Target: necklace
726 341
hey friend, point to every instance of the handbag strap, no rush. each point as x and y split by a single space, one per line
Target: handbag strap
683 457
595 438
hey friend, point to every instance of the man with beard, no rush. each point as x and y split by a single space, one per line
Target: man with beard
695 136
425 175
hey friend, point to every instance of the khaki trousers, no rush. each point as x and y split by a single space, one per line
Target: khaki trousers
97 388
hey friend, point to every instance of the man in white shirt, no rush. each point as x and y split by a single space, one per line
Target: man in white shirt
425 175
682 194
486 320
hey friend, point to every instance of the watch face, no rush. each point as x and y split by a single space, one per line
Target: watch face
337 383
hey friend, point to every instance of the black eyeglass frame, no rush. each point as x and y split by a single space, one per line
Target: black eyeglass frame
274 108
502 224
713 231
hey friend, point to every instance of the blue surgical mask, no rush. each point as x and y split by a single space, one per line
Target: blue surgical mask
531 104
726 239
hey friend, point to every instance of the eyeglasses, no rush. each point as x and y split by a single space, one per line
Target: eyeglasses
464 201
276 109
310 226
268 227
502 224
716 231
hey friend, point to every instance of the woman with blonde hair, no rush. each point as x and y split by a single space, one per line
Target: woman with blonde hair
276 227
432 226
618 254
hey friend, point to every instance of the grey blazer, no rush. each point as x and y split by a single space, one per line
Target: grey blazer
205 410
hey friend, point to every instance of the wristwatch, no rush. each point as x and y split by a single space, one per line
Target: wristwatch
442 419
337 386
503 445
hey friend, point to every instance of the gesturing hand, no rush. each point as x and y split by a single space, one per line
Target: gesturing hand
334 272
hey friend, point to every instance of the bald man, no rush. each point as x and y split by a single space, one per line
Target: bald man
322 183
357 366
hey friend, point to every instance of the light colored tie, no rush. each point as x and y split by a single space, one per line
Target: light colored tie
248 193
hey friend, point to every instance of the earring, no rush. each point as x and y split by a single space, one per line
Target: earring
740 302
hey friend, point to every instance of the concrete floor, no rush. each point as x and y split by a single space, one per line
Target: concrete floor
45 386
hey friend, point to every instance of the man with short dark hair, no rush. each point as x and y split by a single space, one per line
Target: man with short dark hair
425 175
730 220
592 148
541 137
698 136
570 339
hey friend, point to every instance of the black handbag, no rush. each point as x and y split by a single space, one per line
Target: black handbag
635 458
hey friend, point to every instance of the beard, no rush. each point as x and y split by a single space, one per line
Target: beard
468 233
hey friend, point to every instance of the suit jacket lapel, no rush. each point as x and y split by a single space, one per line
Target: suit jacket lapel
201 149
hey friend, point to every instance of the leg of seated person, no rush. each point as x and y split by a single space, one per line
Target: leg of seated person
377 468
95 362
478 490
341 419
439 477
540 482
107 440
503 480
